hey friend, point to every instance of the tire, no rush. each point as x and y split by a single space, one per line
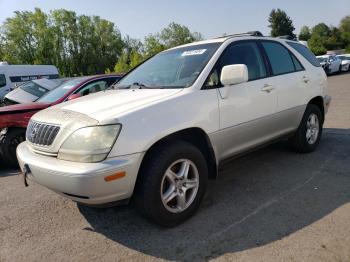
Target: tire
9 141
154 185
304 140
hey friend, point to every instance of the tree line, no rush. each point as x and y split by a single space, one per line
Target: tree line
80 44
85 45
320 37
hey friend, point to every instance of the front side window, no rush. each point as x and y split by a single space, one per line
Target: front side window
246 53
174 68
305 52
2 80
279 57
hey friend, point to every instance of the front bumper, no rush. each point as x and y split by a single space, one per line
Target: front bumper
82 182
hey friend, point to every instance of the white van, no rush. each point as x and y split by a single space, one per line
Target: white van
12 75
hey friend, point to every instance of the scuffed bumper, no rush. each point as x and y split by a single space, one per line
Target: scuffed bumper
82 182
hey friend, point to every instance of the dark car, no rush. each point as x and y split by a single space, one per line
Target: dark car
14 118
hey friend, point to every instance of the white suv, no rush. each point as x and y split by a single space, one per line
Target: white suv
163 132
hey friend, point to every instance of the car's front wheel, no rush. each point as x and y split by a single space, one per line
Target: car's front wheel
171 183
9 140
308 135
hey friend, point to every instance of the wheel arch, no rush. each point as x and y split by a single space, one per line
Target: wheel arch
195 136
319 102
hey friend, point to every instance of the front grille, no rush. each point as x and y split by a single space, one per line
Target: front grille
41 134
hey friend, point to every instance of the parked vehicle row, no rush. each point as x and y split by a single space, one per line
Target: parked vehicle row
14 119
30 91
345 62
169 123
334 63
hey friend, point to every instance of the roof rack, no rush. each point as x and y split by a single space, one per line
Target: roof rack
287 37
250 33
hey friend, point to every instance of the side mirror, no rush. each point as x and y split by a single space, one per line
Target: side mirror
234 74
74 96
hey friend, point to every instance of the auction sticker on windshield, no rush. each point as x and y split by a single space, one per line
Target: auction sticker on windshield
194 52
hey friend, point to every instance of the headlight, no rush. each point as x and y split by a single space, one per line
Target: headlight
89 144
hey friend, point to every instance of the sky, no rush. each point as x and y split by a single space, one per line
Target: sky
212 18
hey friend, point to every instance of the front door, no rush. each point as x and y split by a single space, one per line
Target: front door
245 109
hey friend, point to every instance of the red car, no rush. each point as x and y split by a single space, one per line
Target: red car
14 119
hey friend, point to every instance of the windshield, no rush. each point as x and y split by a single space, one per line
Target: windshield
36 89
176 68
60 91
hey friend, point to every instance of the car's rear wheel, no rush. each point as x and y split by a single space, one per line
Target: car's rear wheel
171 183
9 141
308 135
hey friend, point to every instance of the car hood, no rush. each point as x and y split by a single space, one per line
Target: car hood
21 108
20 96
104 106
345 62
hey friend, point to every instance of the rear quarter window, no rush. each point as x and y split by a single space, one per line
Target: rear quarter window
305 52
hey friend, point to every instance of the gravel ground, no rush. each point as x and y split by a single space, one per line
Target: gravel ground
271 205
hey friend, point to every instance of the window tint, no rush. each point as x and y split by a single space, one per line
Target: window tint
93 87
298 66
280 59
2 80
245 53
305 52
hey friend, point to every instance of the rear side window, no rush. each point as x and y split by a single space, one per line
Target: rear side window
305 52
298 66
2 80
280 58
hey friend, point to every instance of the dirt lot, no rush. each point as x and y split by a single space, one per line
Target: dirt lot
272 205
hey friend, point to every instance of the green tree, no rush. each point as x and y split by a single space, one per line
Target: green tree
280 23
135 52
305 33
75 44
344 29
317 44
175 34
153 45
324 38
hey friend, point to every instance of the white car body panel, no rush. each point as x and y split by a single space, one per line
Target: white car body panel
245 117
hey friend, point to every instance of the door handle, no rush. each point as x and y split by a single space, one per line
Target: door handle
267 88
305 79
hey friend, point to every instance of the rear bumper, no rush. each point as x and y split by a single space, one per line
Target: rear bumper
82 182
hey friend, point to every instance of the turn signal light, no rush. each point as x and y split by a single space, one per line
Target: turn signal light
115 176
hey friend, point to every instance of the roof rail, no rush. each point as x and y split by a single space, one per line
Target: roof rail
287 37
250 33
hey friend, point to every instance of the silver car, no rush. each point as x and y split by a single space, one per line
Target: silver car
31 91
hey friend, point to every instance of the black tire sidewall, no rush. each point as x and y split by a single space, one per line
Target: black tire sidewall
303 144
152 174
8 156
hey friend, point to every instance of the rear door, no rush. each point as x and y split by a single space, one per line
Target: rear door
291 82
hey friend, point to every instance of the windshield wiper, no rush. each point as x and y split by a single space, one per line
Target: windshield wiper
138 85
